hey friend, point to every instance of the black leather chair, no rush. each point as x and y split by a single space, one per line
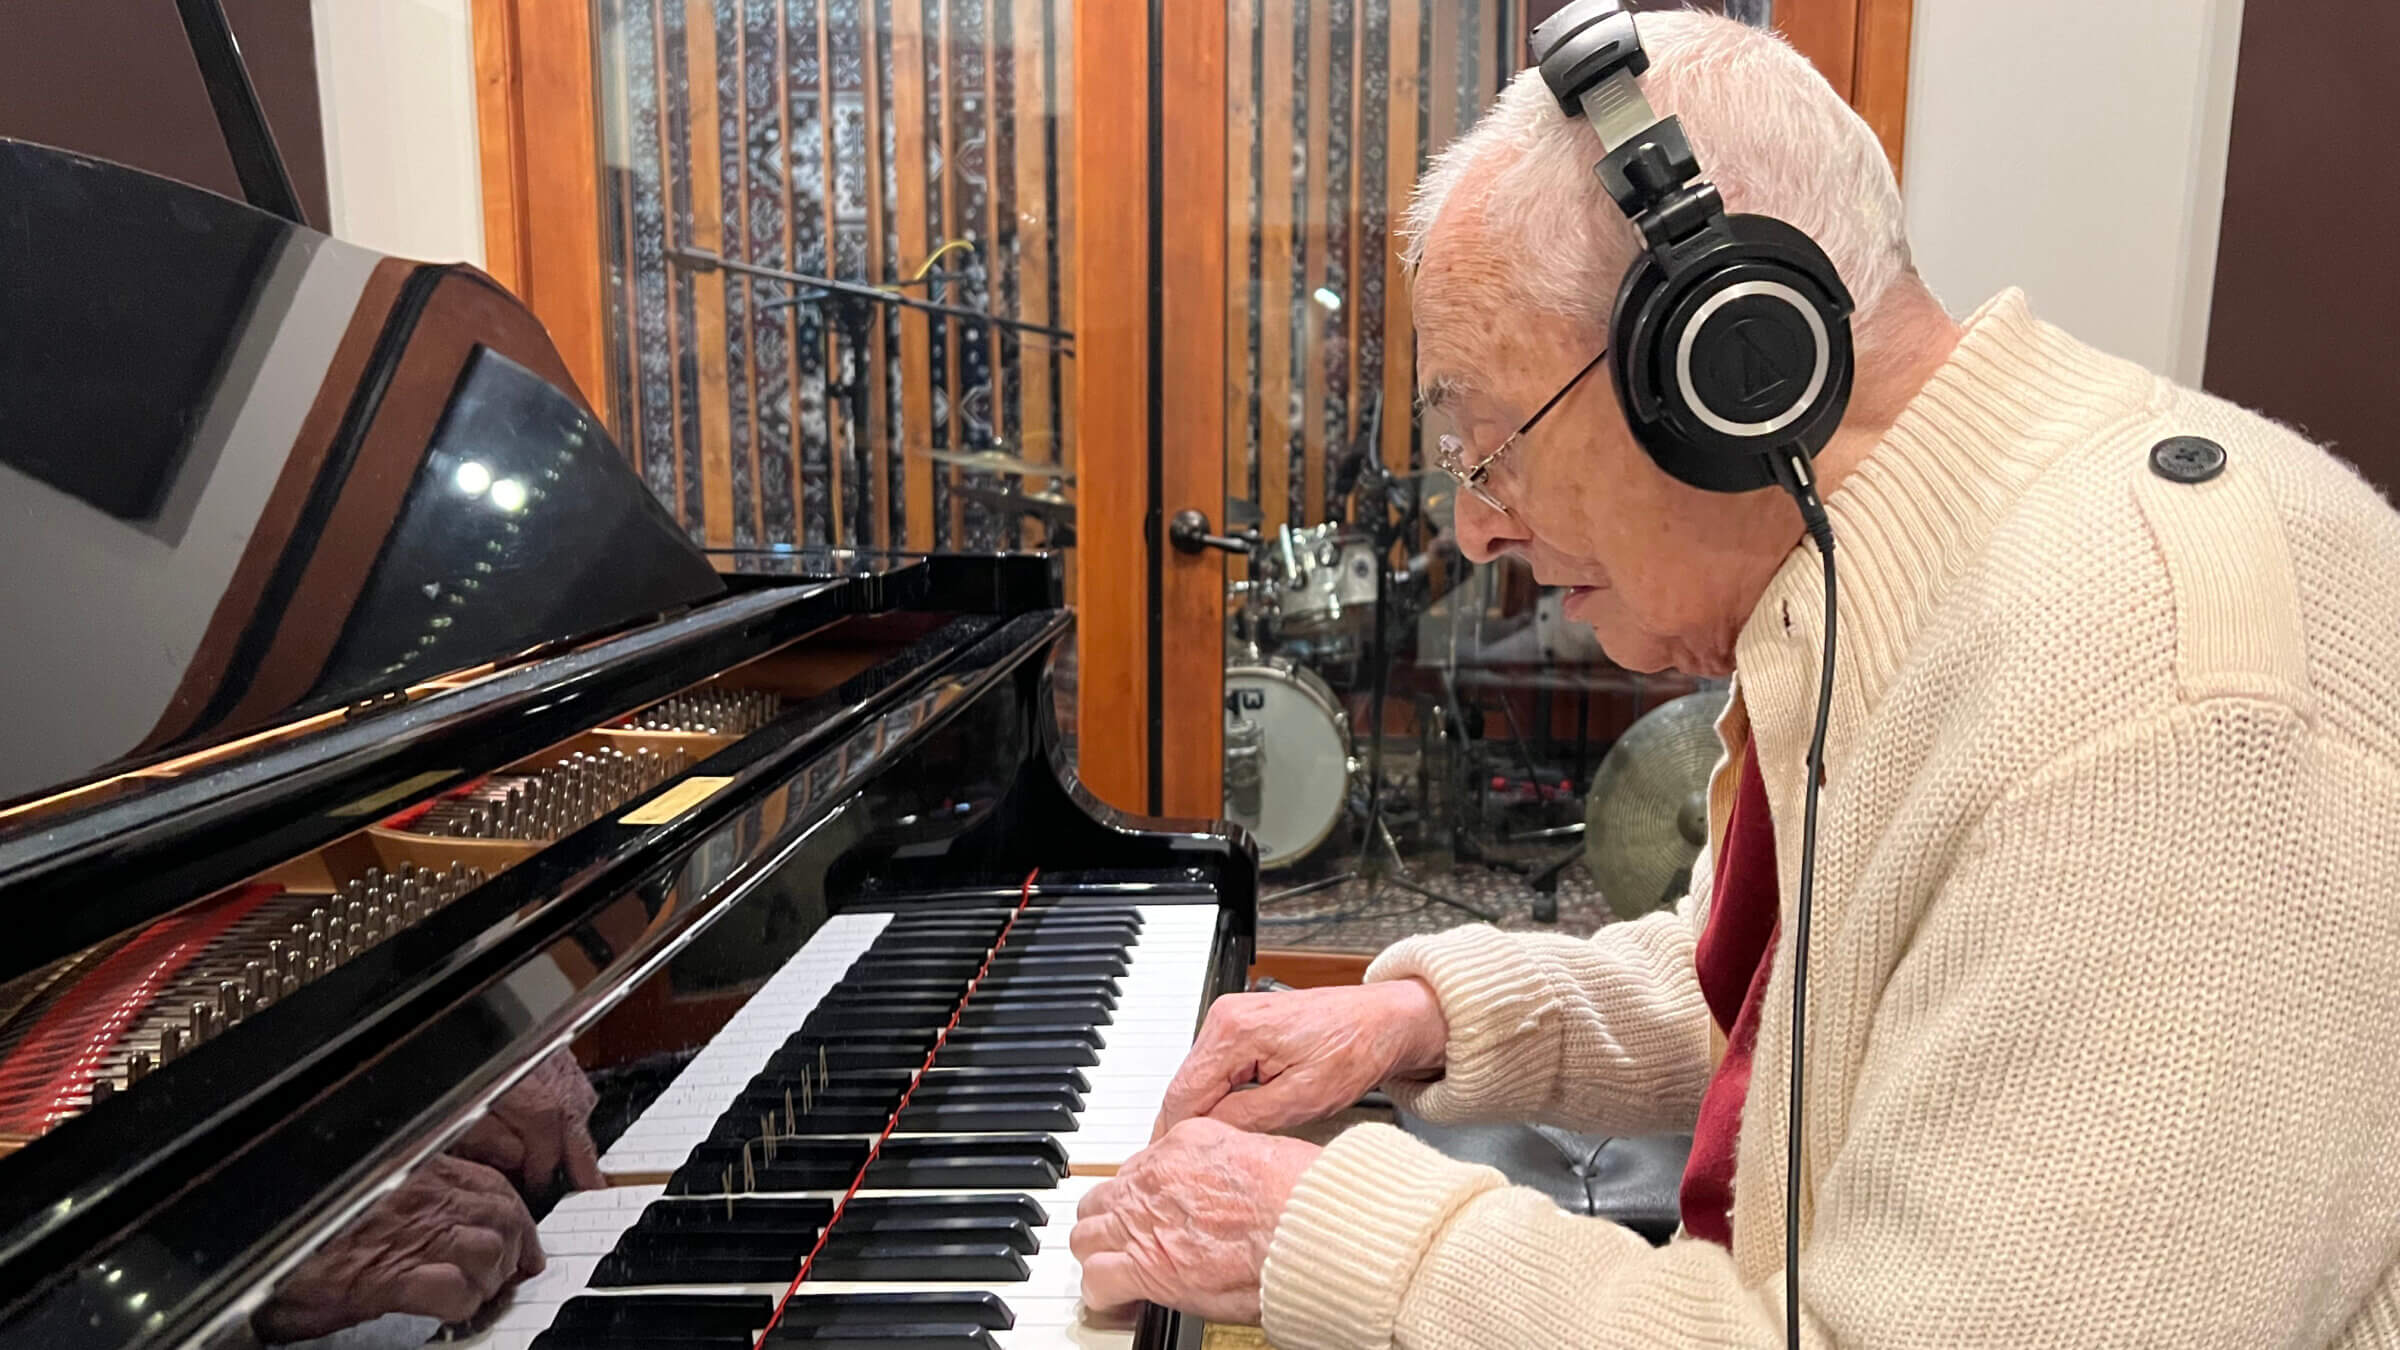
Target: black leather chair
1635 1182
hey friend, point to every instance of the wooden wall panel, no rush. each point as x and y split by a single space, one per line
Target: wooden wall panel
538 106
1278 217
1879 75
708 233
1112 333
1191 219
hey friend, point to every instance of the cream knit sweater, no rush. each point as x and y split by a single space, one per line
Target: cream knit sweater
2104 1008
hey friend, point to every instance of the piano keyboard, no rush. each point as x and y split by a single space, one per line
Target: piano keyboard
1000 1278
1157 1011
959 1240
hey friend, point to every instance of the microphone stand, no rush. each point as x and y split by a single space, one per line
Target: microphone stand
1374 483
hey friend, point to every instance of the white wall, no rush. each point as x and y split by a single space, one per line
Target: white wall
397 81
2076 148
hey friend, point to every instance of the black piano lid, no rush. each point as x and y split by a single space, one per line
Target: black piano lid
249 474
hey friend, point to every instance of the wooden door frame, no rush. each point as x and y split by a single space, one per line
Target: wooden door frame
1150 379
537 116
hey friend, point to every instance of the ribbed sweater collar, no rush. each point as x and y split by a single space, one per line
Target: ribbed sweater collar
2014 395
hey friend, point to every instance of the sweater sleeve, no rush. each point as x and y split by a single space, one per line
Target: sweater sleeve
2128 1086
1608 1034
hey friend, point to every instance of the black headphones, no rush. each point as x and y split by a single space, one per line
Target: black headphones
1730 341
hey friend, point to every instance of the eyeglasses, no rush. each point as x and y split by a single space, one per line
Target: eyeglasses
1451 452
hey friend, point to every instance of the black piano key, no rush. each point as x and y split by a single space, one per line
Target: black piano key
993 1262
762 1099
750 1212
975 1307
991 1249
906 1052
1022 1208
767 1089
592 1340
1021 941
805 1041
937 1162
1073 986
884 1336
666 1314
967 1116
1002 911
1022 1052
779 1213
980 1012
931 962
966 1172
633 1270
926 1113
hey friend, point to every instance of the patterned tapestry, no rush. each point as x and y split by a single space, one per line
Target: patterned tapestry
1335 107
870 141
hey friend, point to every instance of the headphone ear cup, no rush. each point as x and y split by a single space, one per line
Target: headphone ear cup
1732 350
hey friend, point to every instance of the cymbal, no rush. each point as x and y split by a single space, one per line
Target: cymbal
1046 504
999 461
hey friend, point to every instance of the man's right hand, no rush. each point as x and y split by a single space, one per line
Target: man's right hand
1310 1053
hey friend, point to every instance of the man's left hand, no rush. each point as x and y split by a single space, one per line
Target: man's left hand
1186 1222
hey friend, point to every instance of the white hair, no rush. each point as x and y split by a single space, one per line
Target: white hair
1769 132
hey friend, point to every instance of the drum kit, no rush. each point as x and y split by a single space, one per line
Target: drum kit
1317 618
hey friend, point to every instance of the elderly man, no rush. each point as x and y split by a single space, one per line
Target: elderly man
2106 954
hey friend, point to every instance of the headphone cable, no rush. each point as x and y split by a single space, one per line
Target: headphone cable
1792 470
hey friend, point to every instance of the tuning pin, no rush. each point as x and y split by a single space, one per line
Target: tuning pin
229 1000
170 1045
374 876
254 975
103 1089
318 918
290 980
316 954
137 1068
337 934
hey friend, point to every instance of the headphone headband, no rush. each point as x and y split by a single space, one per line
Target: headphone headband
1730 337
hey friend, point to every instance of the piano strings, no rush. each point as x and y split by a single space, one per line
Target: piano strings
875 1149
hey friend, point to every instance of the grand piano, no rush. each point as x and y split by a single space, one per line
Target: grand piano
379 754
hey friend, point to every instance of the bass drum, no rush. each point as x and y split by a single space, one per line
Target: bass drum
1287 759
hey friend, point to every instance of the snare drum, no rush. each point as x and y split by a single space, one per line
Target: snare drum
1326 580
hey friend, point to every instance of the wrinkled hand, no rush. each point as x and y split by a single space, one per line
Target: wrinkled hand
538 1125
1187 1221
453 1236
1312 1052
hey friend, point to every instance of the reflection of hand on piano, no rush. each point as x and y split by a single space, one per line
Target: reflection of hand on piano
540 1124
1186 1222
450 1239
